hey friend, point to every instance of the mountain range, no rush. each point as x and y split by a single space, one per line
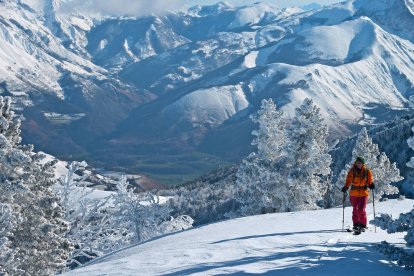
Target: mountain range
170 95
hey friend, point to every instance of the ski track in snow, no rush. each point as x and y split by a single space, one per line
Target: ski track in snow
298 243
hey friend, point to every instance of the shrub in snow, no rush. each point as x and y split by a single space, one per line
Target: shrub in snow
32 229
139 214
405 223
179 223
397 254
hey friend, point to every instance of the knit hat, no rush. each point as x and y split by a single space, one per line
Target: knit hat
360 159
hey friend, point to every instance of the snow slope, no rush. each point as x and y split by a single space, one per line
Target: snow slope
300 243
212 106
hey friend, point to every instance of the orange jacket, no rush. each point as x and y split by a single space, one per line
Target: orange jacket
359 181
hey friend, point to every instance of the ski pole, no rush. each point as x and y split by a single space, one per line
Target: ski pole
373 206
343 211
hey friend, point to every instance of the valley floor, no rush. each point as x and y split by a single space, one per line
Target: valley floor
297 243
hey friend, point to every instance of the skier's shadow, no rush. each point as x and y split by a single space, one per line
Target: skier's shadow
281 234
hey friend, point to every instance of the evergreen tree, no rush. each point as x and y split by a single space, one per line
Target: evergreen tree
36 233
366 148
6 253
270 137
40 237
257 176
308 161
10 185
386 173
291 167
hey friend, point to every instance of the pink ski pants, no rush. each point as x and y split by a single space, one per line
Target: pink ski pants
359 215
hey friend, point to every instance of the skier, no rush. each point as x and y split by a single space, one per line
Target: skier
360 179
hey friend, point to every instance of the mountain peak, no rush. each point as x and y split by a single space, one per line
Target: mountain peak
410 6
395 16
254 14
206 10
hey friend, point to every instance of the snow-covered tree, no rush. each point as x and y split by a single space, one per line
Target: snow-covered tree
366 148
72 196
10 184
270 137
36 234
87 218
383 171
139 214
386 173
100 225
308 161
292 165
6 253
208 199
257 176
40 237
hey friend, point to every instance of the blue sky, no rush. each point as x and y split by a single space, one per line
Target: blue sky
280 3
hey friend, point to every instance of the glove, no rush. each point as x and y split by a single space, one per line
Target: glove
372 186
344 189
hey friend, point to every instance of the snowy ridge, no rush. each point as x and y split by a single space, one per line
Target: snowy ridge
31 54
395 16
305 243
144 38
215 105
360 70
348 94
253 15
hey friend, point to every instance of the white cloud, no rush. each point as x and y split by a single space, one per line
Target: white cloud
122 7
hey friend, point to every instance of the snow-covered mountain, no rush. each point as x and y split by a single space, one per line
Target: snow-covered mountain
354 62
159 88
302 243
53 83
